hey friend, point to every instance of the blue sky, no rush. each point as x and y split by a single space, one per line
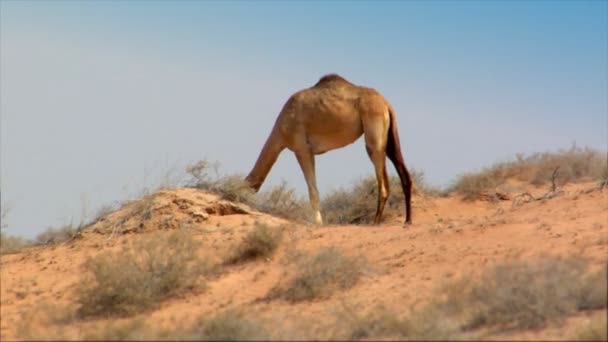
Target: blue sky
101 99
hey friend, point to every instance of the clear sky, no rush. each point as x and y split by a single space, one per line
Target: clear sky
101 99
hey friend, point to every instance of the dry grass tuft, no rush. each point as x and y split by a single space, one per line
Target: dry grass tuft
261 242
138 278
319 275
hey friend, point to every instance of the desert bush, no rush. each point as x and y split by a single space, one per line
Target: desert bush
472 185
428 324
575 164
519 294
594 290
261 242
229 187
53 236
281 200
139 277
229 325
357 205
12 244
572 165
349 207
317 276
131 330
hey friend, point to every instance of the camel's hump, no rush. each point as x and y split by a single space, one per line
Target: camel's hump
331 78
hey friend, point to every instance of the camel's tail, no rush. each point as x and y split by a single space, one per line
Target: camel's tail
393 152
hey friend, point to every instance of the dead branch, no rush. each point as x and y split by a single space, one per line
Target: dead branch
553 178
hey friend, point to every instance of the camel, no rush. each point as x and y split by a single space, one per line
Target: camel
329 115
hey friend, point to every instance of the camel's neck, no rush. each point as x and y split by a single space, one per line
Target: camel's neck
270 152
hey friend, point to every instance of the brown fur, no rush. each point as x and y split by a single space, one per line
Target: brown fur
332 114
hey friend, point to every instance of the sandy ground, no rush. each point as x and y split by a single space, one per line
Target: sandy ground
450 238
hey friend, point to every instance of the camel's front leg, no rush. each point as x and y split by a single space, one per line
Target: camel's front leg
306 159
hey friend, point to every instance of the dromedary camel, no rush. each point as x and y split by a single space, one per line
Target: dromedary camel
332 114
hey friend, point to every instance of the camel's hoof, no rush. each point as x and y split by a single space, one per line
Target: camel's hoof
407 224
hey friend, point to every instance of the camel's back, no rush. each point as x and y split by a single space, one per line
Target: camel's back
330 112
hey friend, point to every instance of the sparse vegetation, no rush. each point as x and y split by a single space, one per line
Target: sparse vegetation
473 185
381 323
230 187
229 325
572 165
522 295
512 295
317 276
53 236
281 200
594 290
358 204
48 322
139 277
12 244
261 242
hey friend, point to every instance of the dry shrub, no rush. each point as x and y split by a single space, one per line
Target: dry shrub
595 330
12 244
472 185
261 242
281 200
229 325
139 277
521 295
380 323
594 290
319 275
53 236
230 187
357 205
512 295
573 165
131 330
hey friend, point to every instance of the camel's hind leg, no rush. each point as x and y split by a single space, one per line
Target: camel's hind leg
375 144
306 159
